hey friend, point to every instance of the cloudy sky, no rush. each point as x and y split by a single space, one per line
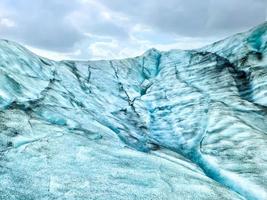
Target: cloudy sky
101 29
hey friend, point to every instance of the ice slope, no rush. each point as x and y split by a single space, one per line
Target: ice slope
164 125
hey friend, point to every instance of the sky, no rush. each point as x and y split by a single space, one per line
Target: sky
109 29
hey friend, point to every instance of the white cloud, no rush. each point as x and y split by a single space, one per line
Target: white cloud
104 29
5 22
49 54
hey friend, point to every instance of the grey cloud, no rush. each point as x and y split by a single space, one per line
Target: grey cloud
108 29
237 15
193 17
75 25
90 19
46 23
41 23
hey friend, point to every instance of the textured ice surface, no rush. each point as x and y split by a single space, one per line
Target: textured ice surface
164 125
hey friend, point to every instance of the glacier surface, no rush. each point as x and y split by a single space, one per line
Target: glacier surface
165 125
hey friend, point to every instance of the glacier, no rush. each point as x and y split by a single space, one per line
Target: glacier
180 124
